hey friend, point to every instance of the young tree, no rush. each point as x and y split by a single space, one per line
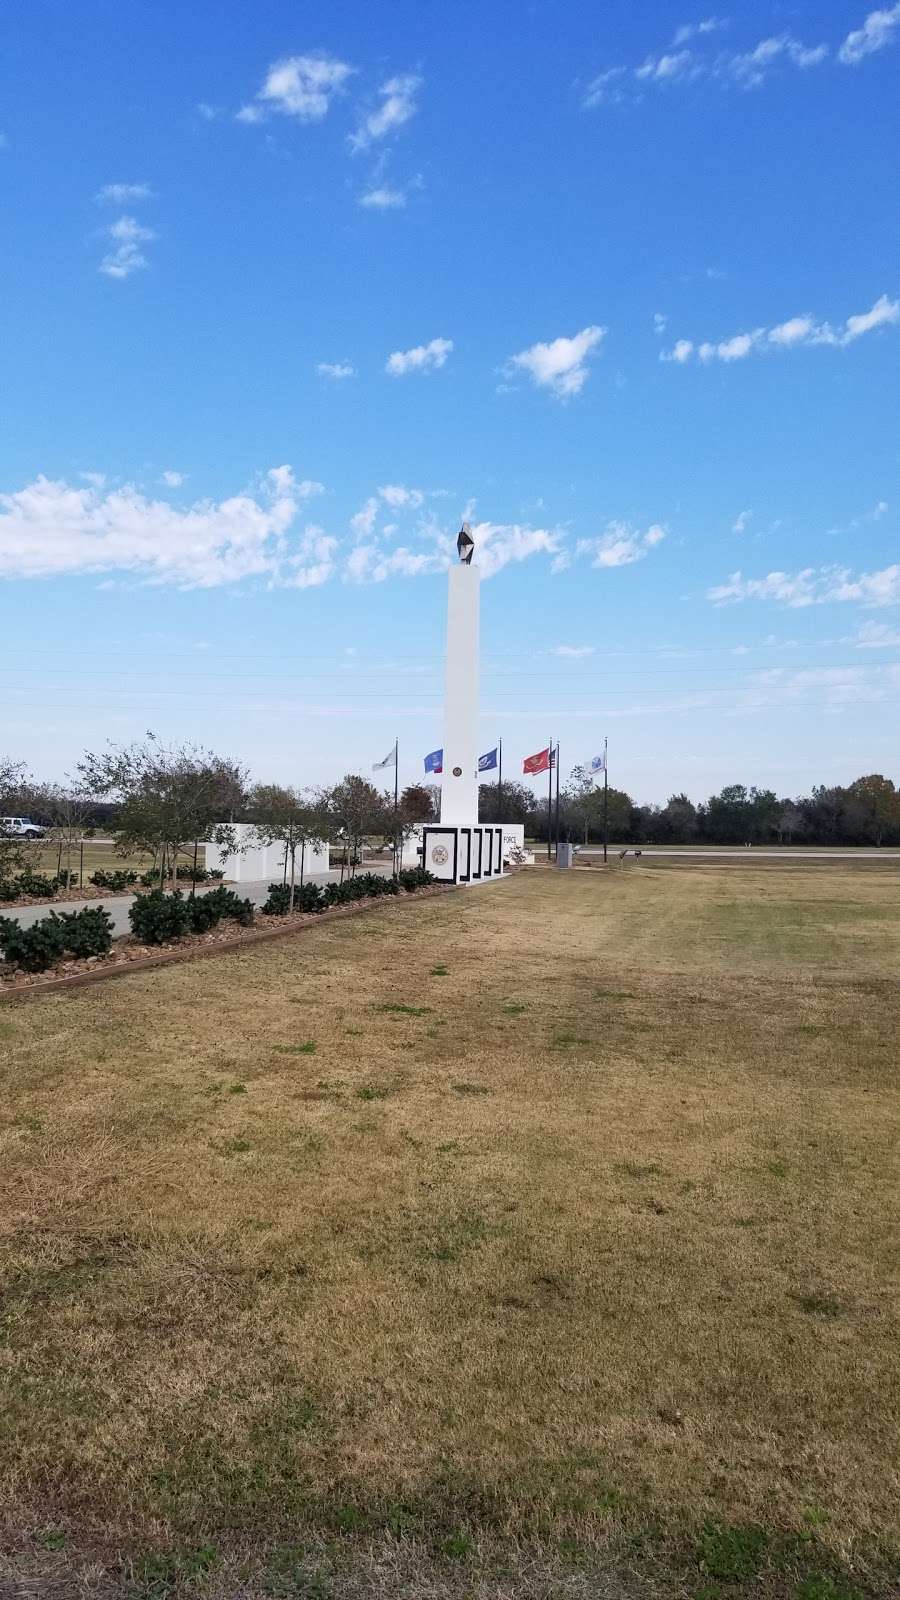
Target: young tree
358 810
15 785
284 816
171 797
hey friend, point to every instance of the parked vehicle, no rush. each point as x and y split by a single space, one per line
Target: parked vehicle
21 828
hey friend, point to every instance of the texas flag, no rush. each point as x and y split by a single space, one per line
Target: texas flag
537 763
435 761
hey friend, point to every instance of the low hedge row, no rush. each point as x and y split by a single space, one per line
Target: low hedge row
80 933
156 918
365 886
36 883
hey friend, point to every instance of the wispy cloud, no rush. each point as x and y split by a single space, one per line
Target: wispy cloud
421 358
746 69
335 369
383 198
399 498
299 86
571 651
561 365
173 480
396 106
126 255
741 521
813 586
693 30
875 636
799 330
123 194
878 31
620 545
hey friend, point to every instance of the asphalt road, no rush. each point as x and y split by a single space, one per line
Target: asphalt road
717 853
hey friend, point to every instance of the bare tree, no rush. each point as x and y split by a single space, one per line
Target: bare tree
282 815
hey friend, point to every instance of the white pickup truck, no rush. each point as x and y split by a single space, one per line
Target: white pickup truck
21 828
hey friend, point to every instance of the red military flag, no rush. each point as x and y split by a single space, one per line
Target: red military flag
537 763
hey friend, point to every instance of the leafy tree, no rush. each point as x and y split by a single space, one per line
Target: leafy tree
509 802
875 805
282 815
417 803
357 809
170 797
15 788
677 822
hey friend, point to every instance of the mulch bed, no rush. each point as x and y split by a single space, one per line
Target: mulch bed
128 955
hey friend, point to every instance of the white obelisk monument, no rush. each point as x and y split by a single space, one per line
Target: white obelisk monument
460 849
459 790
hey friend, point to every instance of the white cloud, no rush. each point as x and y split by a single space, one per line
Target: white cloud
691 30
875 636
95 479
813 586
741 521
335 369
681 352
313 562
399 497
207 112
620 545
173 480
499 543
796 331
362 523
560 365
422 358
126 256
574 651
743 69
398 104
383 198
750 69
123 194
660 323
299 86
51 528
876 32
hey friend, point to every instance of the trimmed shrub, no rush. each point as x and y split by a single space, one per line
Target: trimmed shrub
67 880
9 890
412 878
35 948
36 883
156 917
215 873
87 932
115 881
188 874
279 899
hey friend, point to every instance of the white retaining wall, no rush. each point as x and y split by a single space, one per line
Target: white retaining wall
252 861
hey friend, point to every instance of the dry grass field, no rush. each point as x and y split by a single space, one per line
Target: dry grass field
535 1240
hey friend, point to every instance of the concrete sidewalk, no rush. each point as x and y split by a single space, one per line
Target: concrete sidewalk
118 905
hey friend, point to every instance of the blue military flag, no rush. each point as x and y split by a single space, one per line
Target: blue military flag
488 761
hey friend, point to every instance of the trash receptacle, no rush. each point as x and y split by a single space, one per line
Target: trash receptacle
565 855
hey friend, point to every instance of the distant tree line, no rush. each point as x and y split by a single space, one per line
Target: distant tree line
166 800
865 812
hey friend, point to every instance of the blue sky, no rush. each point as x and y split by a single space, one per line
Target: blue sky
287 290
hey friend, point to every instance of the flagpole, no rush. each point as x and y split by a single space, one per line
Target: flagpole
550 801
556 804
500 780
396 797
605 802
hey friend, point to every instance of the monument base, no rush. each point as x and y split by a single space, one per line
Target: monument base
453 854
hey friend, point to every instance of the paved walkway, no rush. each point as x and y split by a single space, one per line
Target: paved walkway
118 904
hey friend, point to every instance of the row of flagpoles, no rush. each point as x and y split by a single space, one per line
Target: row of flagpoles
546 760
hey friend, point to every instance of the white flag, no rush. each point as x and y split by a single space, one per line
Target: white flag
390 760
598 764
